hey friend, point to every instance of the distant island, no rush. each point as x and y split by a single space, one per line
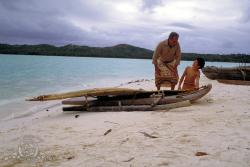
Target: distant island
118 51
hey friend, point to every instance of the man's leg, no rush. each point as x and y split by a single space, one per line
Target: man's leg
172 86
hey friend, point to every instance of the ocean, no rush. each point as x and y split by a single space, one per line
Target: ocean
25 76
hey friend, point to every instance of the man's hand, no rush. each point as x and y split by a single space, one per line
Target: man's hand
157 70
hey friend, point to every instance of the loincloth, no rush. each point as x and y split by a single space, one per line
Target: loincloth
188 85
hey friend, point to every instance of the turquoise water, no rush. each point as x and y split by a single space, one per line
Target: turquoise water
23 76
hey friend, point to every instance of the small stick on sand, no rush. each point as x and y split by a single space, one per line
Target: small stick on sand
107 132
130 159
111 122
201 154
148 135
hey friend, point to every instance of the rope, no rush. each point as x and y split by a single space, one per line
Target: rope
156 102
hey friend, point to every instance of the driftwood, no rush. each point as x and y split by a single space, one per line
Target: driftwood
200 153
148 135
128 108
130 159
107 132
111 122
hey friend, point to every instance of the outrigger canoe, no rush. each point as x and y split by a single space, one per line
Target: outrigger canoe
124 99
139 100
227 73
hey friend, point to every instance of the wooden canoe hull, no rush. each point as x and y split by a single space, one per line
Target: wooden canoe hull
129 108
113 101
149 101
227 73
98 92
234 82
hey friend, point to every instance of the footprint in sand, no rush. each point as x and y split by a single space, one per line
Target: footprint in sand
69 129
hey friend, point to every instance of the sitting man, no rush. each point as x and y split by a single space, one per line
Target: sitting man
192 75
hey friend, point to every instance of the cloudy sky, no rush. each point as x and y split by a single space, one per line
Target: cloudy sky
214 26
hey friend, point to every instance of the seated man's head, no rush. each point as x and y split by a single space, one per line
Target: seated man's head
199 63
173 38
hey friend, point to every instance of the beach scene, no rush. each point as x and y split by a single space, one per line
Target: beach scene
135 83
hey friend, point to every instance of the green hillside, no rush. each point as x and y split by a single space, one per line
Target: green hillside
118 51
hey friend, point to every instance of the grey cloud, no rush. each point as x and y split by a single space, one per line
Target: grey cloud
149 4
245 18
183 25
49 21
220 41
227 44
46 22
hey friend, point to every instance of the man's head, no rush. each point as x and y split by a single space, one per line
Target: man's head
199 63
173 38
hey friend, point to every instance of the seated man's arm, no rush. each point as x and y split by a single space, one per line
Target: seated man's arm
197 80
182 78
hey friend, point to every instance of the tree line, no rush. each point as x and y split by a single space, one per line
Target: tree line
118 51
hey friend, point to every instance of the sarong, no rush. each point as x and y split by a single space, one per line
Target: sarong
168 74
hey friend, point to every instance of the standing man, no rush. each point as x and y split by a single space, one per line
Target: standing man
166 58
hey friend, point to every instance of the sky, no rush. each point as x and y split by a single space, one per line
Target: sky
214 26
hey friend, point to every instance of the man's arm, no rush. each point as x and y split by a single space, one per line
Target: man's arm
156 54
178 55
197 80
182 78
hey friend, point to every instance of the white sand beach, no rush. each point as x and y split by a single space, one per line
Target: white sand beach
214 131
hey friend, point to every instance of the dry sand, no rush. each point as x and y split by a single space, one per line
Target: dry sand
214 131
